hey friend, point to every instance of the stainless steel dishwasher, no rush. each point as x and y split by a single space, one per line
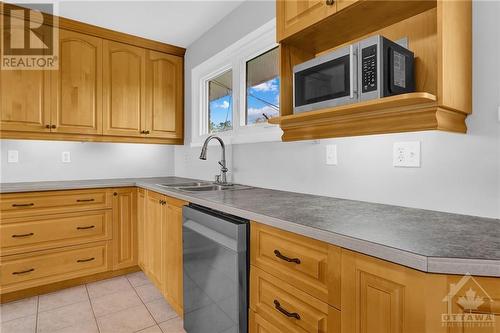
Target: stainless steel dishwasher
216 263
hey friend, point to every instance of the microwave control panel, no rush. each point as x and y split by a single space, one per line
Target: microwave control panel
369 68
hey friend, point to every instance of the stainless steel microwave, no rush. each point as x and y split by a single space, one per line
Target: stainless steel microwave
372 68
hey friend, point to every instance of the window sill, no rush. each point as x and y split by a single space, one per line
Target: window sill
252 134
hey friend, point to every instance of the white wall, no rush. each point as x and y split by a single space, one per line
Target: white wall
41 160
459 173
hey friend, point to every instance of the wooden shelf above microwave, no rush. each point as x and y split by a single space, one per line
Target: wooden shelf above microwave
417 111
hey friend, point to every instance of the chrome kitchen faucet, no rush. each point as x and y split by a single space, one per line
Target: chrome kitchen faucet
219 179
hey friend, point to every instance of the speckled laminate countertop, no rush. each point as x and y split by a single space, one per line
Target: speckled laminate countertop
425 240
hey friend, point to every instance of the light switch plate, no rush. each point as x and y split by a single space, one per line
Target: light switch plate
406 154
331 155
66 157
13 156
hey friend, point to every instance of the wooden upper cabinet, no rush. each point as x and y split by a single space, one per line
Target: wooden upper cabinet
77 85
124 89
164 116
295 15
25 100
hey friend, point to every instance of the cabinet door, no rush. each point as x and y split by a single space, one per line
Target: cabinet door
165 95
78 85
173 251
141 228
124 88
154 237
295 15
25 100
378 296
124 228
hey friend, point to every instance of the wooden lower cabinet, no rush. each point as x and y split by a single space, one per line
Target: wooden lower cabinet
173 259
257 324
34 233
307 264
32 269
141 228
154 237
124 228
288 308
378 296
162 249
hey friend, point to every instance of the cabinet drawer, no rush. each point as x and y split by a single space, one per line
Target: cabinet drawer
307 264
48 231
34 269
33 203
257 324
288 308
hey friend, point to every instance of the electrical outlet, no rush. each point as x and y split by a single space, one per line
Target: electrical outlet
406 154
13 156
331 155
66 157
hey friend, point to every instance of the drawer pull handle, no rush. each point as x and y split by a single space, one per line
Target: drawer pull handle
84 228
85 260
278 307
23 272
84 200
23 205
285 258
23 235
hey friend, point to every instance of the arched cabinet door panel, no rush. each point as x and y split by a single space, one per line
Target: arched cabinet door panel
165 95
77 85
25 100
124 89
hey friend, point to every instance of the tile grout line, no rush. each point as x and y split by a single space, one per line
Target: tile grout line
92 308
147 309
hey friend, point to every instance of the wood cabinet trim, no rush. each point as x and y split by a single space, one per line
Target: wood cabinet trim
88 29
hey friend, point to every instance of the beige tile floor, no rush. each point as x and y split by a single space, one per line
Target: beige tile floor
125 304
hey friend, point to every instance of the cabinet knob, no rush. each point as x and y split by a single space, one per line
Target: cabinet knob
329 2
53 126
47 126
145 131
115 194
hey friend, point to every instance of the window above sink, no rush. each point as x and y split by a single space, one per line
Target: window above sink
235 92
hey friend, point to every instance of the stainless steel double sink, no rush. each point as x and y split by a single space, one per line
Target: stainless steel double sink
204 187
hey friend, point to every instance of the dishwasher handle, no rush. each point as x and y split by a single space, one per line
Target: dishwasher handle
211 234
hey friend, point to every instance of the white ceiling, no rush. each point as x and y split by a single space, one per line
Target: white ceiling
178 22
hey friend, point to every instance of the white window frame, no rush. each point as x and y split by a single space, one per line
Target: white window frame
232 58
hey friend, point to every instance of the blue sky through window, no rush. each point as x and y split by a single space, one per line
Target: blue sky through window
221 114
263 98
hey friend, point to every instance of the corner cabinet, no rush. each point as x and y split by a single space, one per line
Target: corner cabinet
109 87
160 249
124 228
